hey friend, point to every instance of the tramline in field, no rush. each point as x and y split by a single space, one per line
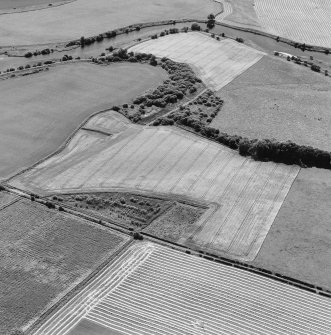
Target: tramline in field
245 195
218 62
154 290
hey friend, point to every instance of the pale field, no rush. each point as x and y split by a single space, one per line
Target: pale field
40 111
154 290
305 21
278 99
43 255
217 62
246 195
87 18
239 13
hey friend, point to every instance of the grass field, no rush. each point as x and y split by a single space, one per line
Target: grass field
41 110
217 62
168 161
154 290
10 4
43 255
299 242
278 99
87 18
305 21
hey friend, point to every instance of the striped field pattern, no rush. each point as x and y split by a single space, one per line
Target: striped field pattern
305 21
246 195
217 62
227 10
153 290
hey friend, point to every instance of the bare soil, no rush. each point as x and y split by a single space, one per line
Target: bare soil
278 99
299 241
43 255
41 110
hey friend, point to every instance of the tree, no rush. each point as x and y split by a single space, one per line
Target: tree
195 27
211 21
82 41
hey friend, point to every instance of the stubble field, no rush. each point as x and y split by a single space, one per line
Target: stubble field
164 160
45 254
278 99
217 62
155 290
40 111
305 21
87 18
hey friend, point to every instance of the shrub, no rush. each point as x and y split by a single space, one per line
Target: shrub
240 40
28 54
195 27
316 68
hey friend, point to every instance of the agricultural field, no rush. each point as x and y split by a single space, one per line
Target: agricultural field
278 99
25 4
44 255
239 13
246 195
6 198
152 290
306 21
128 210
87 18
299 242
40 111
217 62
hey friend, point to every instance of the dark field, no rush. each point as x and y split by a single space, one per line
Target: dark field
43 255
299 241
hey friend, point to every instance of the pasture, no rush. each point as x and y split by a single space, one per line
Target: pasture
154 290
305 21
44 255
278 99
217 62
246 195
40 111
299 242
87 18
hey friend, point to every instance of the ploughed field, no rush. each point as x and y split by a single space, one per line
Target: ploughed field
87 18
151 289
305 21
40 111
43 256
278 99
244 195
217 62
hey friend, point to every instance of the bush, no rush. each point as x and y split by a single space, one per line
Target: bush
316 68
240 40
195 27
28 54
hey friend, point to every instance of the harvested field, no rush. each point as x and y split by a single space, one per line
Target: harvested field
278 99
87 18
128 210
154 290
305 21
164 160
6 198
24 4
239 13
177 221
217 62
40 111
299 242
44 255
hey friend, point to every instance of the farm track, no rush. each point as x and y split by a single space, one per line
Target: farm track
171 293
